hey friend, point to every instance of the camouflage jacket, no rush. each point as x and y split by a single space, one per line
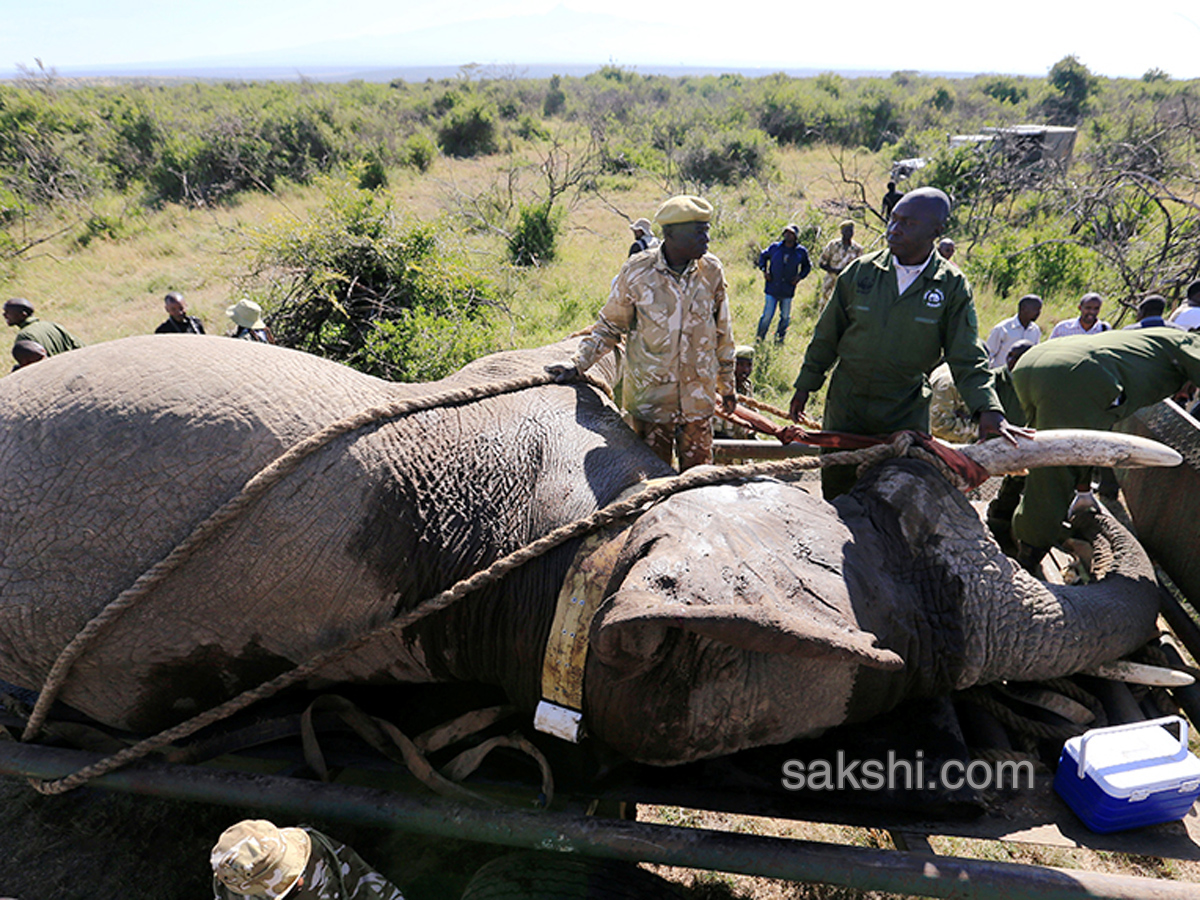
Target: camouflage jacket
680 348
334 872
837 255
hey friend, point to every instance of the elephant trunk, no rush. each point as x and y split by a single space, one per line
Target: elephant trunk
1048 631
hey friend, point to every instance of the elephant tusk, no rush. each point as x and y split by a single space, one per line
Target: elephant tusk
1070 447
1140 673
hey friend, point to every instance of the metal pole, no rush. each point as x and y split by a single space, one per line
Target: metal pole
856 867
725 450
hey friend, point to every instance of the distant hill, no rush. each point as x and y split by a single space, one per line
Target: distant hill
561 41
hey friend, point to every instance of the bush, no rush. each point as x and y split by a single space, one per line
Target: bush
725 157
533 240
354 285
468 131
419 151
371 173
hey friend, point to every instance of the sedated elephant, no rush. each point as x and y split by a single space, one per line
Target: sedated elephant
736 615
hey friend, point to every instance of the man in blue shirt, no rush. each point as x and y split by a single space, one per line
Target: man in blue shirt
784 264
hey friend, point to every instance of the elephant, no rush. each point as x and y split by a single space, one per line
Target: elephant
736 615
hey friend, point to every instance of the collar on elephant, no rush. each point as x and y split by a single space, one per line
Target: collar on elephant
560 711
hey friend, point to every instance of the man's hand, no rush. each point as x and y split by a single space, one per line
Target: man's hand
729 403
993 424
564 373
799 401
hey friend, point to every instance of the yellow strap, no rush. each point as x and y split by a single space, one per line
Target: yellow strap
580 597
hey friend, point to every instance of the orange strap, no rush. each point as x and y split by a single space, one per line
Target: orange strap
965 467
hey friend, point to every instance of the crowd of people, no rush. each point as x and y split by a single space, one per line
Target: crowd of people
898 338
896 335
37 338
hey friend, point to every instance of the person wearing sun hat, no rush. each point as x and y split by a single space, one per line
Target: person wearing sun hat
671 303
247 316
643 237
255 858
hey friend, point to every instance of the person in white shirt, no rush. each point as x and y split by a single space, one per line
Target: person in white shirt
1021 327
1087 322
1187 316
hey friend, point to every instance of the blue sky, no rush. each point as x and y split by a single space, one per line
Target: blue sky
1019 36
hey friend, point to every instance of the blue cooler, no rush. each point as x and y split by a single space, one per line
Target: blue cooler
1129 775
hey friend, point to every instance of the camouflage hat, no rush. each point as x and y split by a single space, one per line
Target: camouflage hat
641 225
684 208
247 314
743 351
255 859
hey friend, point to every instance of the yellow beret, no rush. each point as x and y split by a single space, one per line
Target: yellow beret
682 209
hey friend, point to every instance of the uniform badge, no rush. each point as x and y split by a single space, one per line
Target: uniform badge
934 298
865 285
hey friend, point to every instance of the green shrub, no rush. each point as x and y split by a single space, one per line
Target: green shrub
354 284
419 151
727 157
533 240
370 173
468 131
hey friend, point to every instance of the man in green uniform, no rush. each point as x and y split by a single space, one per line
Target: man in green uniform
894 315
1090 381
55 338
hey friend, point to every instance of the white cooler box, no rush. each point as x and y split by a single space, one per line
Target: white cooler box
1129 775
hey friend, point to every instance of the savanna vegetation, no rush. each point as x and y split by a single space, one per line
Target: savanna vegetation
405 228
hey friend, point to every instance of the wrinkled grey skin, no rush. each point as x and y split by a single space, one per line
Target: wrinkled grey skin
738 615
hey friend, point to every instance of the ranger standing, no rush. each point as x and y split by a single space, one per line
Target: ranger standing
1091 381
894 315
672 304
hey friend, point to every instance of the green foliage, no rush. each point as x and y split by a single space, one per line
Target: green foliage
533 239
1005 90
355 285
556 98
419 151
370 173
725 157
468 131
1074 85
101 226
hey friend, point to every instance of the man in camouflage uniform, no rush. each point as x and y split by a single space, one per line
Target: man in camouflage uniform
671 302
742 367
838 254
254 858
949 418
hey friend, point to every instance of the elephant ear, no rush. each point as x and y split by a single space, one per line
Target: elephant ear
634 625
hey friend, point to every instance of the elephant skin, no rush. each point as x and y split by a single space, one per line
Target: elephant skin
737 615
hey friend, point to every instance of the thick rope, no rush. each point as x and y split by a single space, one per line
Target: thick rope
621 509
258 485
